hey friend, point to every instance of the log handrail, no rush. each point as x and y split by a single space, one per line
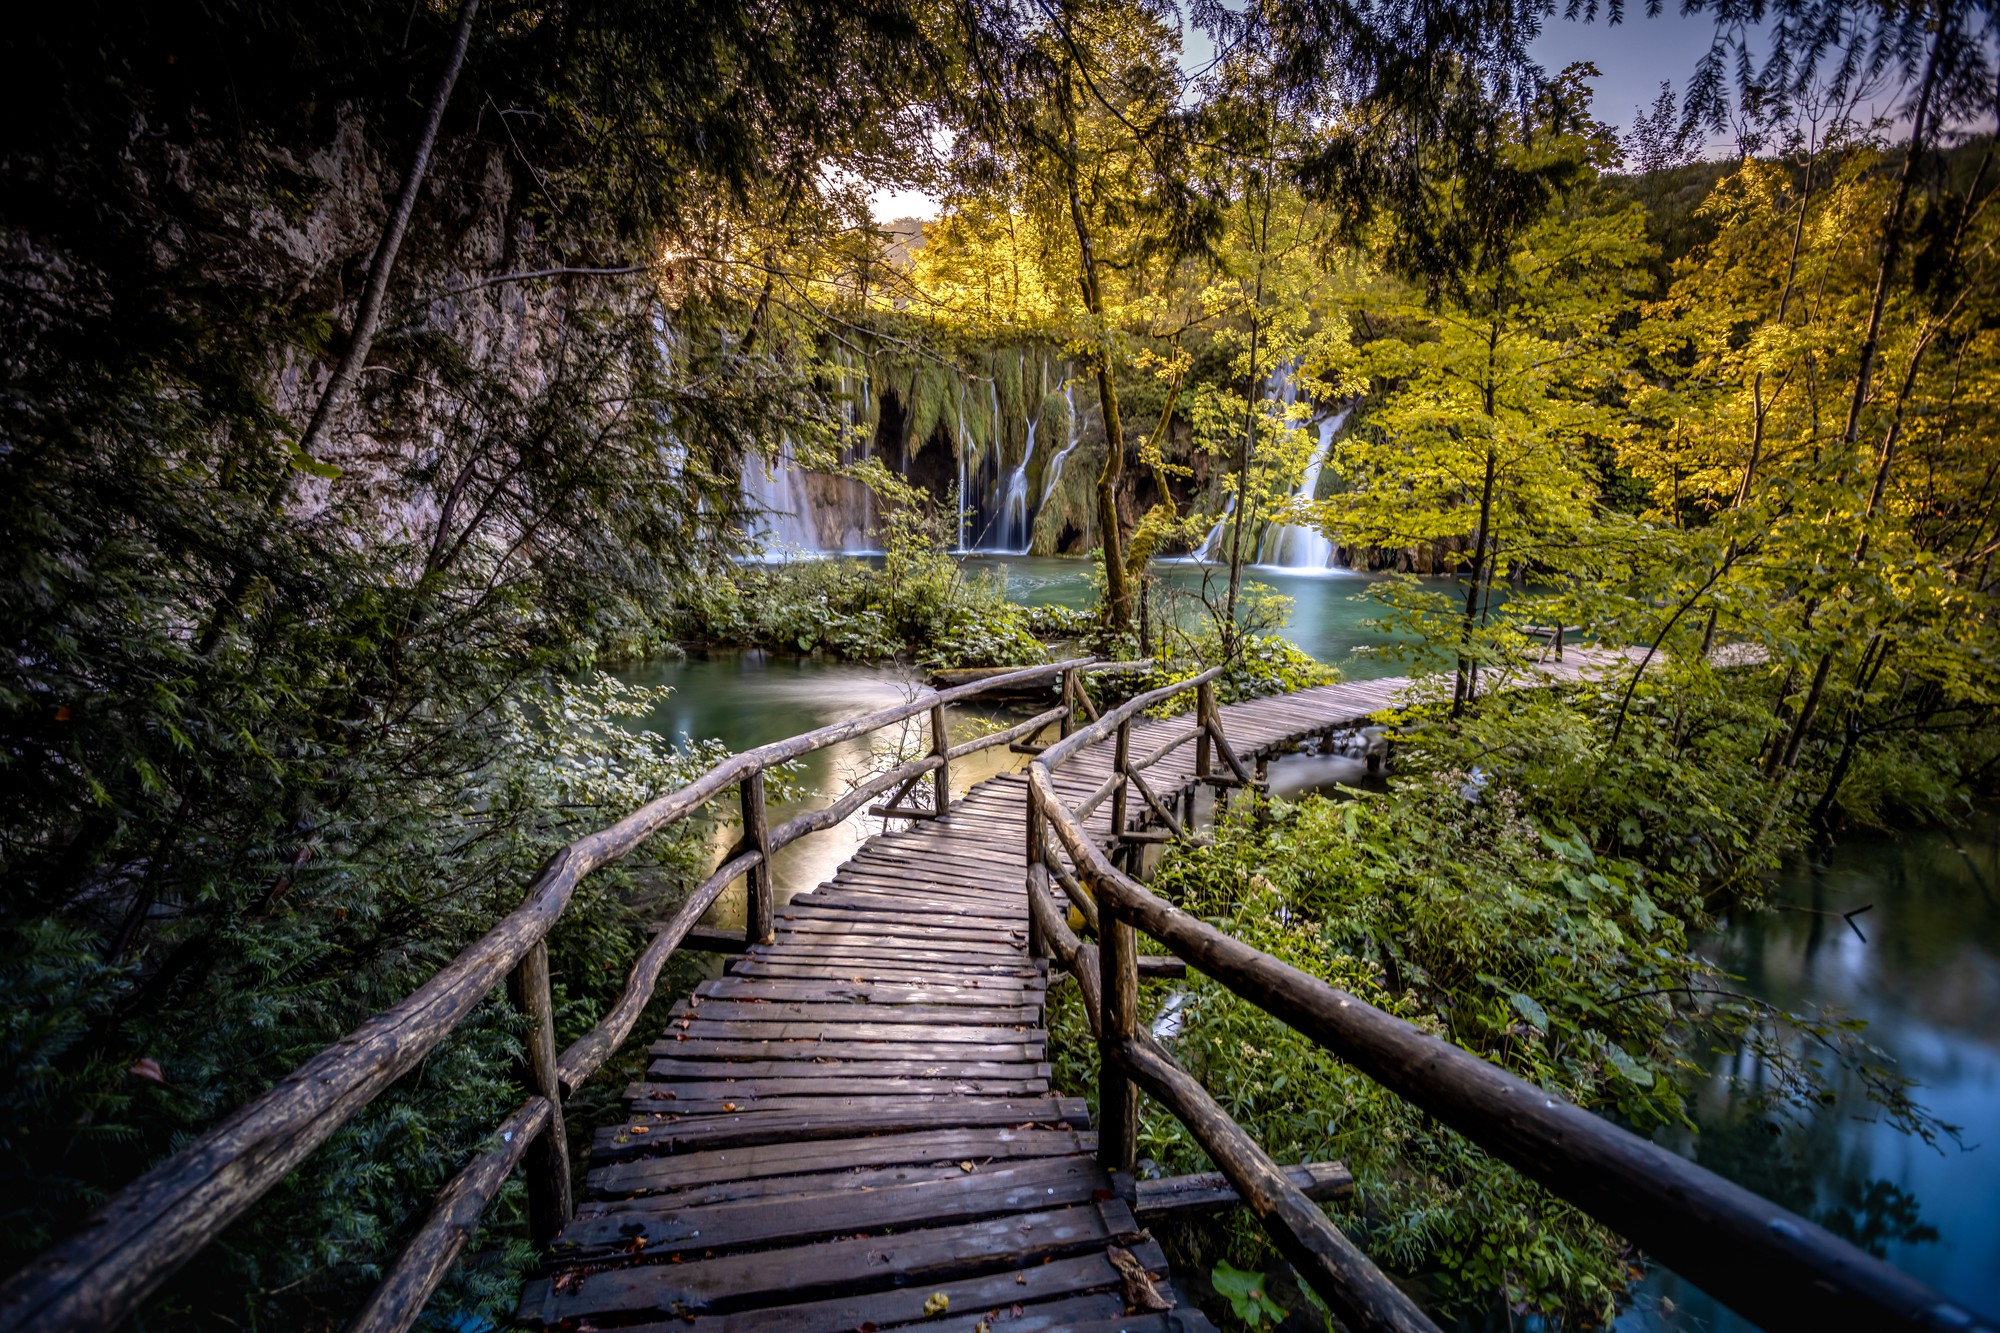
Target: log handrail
1768 1264
101 1273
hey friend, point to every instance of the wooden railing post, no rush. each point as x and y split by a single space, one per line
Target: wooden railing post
1121 758
547 1162
759 911
1068 700
1117 1099
1038 875
1204 709
941 749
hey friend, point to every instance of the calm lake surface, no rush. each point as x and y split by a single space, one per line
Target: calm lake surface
1926 976
1923 969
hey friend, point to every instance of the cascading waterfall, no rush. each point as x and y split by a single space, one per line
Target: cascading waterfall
1297 546
964 453
1014 502
1211 551
1069 445
780 513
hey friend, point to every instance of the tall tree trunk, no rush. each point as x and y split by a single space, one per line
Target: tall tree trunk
1465 682
1245 446
368 315
1117 588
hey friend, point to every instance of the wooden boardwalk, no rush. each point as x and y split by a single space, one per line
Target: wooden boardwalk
854 1128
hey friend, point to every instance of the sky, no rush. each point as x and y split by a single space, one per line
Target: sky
1632 58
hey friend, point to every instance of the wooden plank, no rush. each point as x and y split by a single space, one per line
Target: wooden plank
862 1028
851 941
957 891
967 856
828 1118
748 1281
922 1147
1034 1186
809 1066
987 993
1210 1191
933 1015
811 947
911 925
1027 1046
1051 1296
887 970
911 903
688 1095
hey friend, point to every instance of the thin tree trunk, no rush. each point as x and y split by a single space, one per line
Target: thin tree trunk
1245 446
1117 588
369 314
1463 684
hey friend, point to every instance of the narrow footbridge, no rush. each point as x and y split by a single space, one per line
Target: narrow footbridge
854 1128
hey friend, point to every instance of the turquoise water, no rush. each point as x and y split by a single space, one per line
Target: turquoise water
1329 612
1921 964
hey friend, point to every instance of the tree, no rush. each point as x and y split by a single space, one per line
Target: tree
1659 140
1493 399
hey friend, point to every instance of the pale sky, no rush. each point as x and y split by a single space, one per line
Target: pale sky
1632 58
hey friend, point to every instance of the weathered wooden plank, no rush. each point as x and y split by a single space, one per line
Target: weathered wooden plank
916 1148
881 970
690 1095
1209 1191
936 1015
859 1029
1028 1046
836 938
746 1281
809 1066
828 1118
949 892
902 925
862 933
1035 1186
907 897
1051 1296
985 994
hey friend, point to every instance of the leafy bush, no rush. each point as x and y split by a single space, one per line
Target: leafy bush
371 917
1448 904
917 602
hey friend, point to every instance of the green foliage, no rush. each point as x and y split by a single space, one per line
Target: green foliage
917 602
1477 923
1246 1296
371 917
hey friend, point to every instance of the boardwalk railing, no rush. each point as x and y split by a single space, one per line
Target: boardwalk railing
98 1276
1770 1265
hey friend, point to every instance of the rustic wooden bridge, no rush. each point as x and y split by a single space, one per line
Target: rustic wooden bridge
854 1127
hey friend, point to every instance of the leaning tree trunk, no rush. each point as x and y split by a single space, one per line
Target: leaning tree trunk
1117 588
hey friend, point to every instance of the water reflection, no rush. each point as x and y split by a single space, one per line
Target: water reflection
1329 609
1922 965
750 698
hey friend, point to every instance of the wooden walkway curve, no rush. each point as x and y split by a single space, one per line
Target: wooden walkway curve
854 1127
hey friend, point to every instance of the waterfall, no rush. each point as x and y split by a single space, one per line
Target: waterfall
779 511
1014 516
1295 545
958 533
1069 446
1211 552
